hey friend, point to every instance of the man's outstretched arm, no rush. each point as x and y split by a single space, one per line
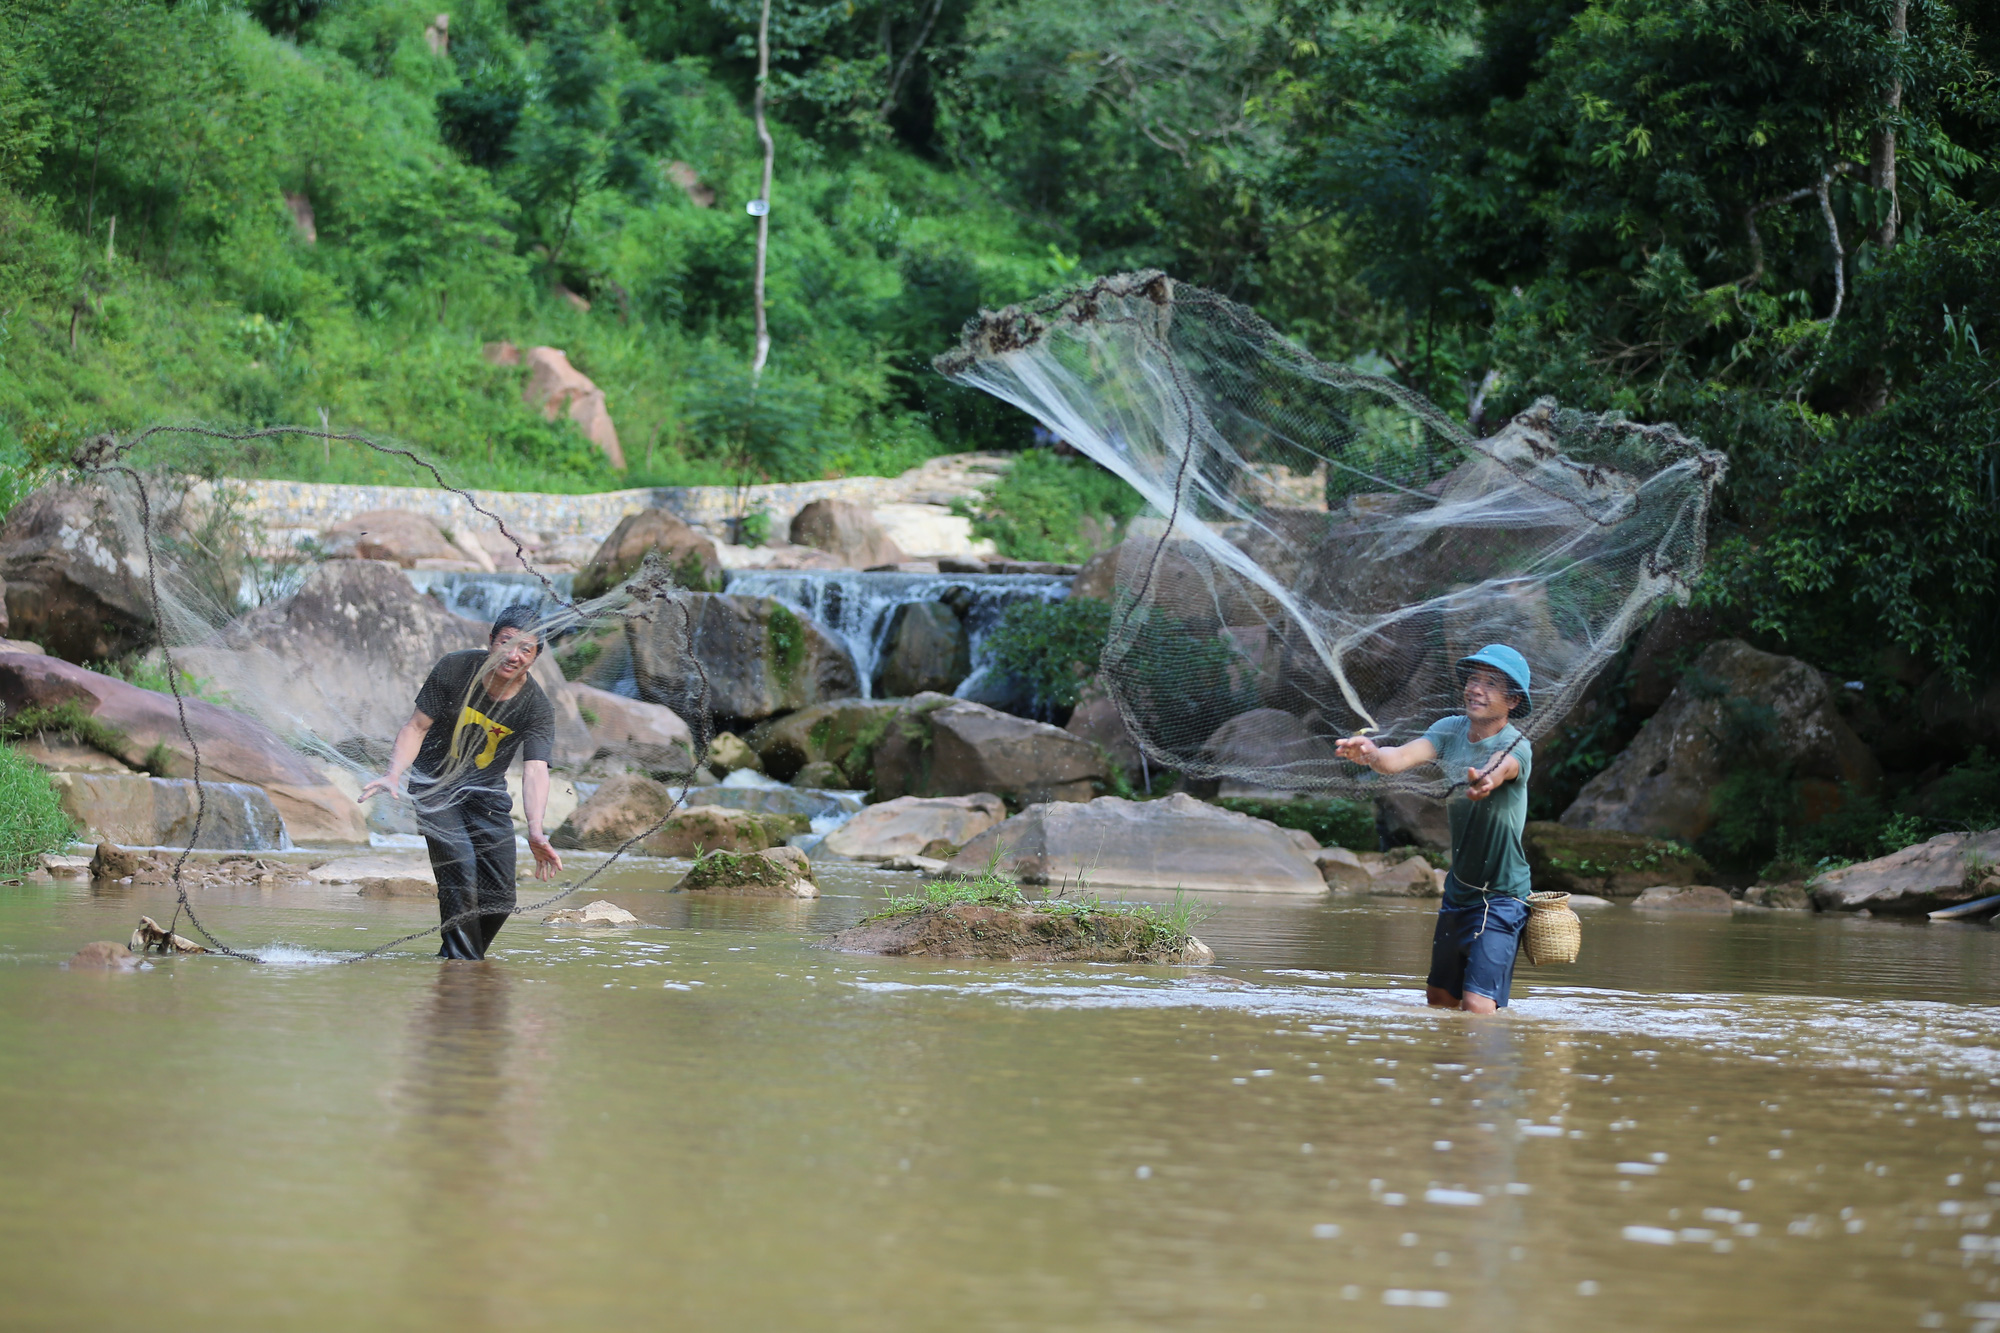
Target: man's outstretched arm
1385 759
404 753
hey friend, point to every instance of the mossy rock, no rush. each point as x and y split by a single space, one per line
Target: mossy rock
1025 934
708 828
777 872
842 732
1606 862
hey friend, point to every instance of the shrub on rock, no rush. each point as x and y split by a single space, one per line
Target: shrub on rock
1606 862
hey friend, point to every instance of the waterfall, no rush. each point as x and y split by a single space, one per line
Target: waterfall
484 596
858 608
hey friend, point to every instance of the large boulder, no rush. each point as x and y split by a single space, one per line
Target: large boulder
620 808
632 731
74 582
940 746
1949 869
849 531
140 811
1736 707
842 733
557 387
925 649
144 727
908 824
689 554
342 660
1606 863
756 657
1175 843
398 536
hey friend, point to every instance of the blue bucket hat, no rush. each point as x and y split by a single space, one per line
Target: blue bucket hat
1508 663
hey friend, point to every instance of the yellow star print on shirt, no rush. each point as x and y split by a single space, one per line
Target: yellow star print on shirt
469 718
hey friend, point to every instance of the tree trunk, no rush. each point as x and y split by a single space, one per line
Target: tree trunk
763 351
97 150
1882 170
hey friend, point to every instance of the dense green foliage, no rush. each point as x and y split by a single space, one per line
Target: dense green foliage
1049 649
31 819
1049 507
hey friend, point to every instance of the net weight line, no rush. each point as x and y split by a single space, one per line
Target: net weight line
104 455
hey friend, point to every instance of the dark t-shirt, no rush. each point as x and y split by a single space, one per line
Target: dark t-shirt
473 737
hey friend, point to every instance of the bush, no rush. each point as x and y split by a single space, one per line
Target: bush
1050 649
1049 507
1334 823
31 819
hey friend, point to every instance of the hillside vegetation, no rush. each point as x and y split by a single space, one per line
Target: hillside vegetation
1772 222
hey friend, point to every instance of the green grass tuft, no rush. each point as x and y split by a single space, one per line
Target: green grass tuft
31 818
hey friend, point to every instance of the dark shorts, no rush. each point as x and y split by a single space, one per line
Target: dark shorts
1473 948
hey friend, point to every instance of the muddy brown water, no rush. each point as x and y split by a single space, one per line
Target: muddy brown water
702 1123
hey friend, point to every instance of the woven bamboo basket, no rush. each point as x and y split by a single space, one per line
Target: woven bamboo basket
1554 934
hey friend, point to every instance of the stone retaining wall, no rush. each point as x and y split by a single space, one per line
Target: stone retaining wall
320 505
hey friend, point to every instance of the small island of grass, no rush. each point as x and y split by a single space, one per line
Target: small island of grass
988 917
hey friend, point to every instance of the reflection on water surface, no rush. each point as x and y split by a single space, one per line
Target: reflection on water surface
703 1123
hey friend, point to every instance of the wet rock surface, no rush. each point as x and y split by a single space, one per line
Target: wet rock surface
1176 842
599 913
105 955
1024 934
908 825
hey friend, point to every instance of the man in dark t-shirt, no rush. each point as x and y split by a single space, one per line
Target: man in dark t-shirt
458 778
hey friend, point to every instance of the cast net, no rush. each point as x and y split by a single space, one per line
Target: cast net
1330 544
327 654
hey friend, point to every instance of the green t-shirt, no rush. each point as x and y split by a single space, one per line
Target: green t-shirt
1485 835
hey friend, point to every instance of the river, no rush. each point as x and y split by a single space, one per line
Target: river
702 1123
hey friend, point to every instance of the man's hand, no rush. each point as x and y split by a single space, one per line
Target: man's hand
1357 749
548 862
382 786
1480 786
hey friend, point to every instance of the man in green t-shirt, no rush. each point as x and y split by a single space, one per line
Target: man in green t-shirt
1486 891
